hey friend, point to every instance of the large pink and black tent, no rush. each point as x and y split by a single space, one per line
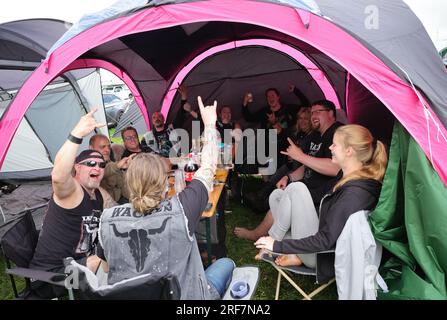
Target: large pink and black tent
373 58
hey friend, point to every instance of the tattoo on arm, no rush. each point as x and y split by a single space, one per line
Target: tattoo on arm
209 158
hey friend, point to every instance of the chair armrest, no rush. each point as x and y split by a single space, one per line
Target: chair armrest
54 278
281 253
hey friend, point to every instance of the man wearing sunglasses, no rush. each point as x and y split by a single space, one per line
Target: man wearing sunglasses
72 217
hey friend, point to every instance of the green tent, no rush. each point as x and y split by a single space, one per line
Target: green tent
410 221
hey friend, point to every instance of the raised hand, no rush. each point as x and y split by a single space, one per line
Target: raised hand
183 90
248 98
291 87
208 113
86 125
187 107
282 184
293 151
124 162
265 243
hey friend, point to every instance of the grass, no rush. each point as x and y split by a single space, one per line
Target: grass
118 139
6 292
241 251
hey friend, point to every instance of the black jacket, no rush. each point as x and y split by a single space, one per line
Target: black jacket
335 209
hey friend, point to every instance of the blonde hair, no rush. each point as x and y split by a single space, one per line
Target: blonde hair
370 152
303 110
146 180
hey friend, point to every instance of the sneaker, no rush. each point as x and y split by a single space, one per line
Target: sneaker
228 209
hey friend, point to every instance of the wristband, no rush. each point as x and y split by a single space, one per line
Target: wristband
289 178
74 139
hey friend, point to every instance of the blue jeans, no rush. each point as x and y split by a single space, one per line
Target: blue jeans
219 274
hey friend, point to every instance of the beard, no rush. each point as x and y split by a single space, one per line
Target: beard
92 184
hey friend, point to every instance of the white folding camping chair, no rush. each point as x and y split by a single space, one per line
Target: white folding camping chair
287 272
357 258
145 287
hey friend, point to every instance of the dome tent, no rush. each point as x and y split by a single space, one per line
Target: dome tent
23 44
380 68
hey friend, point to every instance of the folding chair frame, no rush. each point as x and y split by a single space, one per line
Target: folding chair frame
21 269
286 273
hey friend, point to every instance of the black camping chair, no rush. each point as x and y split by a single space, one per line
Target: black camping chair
87 286
18 245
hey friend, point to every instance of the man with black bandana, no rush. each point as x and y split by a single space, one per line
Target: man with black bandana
72 218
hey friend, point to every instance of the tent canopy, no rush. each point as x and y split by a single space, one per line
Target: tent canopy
358 46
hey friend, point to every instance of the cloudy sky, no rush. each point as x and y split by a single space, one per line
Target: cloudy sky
429 12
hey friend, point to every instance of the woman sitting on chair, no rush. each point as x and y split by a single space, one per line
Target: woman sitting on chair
363 162
155 235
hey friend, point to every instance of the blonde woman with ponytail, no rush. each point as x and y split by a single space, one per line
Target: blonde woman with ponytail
155 235
363 162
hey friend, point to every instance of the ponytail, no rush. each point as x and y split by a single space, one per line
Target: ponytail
146 181
371 152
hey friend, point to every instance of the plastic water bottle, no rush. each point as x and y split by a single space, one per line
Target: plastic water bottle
228 155
179 183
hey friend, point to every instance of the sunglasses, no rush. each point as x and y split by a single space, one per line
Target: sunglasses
93 163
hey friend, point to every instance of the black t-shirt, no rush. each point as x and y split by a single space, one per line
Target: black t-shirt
318 146
193 199
144 148
68 232
286 116
164 144
225 127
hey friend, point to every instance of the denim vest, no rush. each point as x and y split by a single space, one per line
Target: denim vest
157 243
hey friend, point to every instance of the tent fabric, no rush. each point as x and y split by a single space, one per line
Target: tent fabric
123 41
351 16
91 63
410 222
240 67
393 41
223 74
29 152
39 136
23 44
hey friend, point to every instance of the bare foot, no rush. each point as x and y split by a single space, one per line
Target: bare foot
259 255
288 260
246 234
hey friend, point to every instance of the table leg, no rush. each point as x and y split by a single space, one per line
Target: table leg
208 240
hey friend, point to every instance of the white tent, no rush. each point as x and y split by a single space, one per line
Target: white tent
23 44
